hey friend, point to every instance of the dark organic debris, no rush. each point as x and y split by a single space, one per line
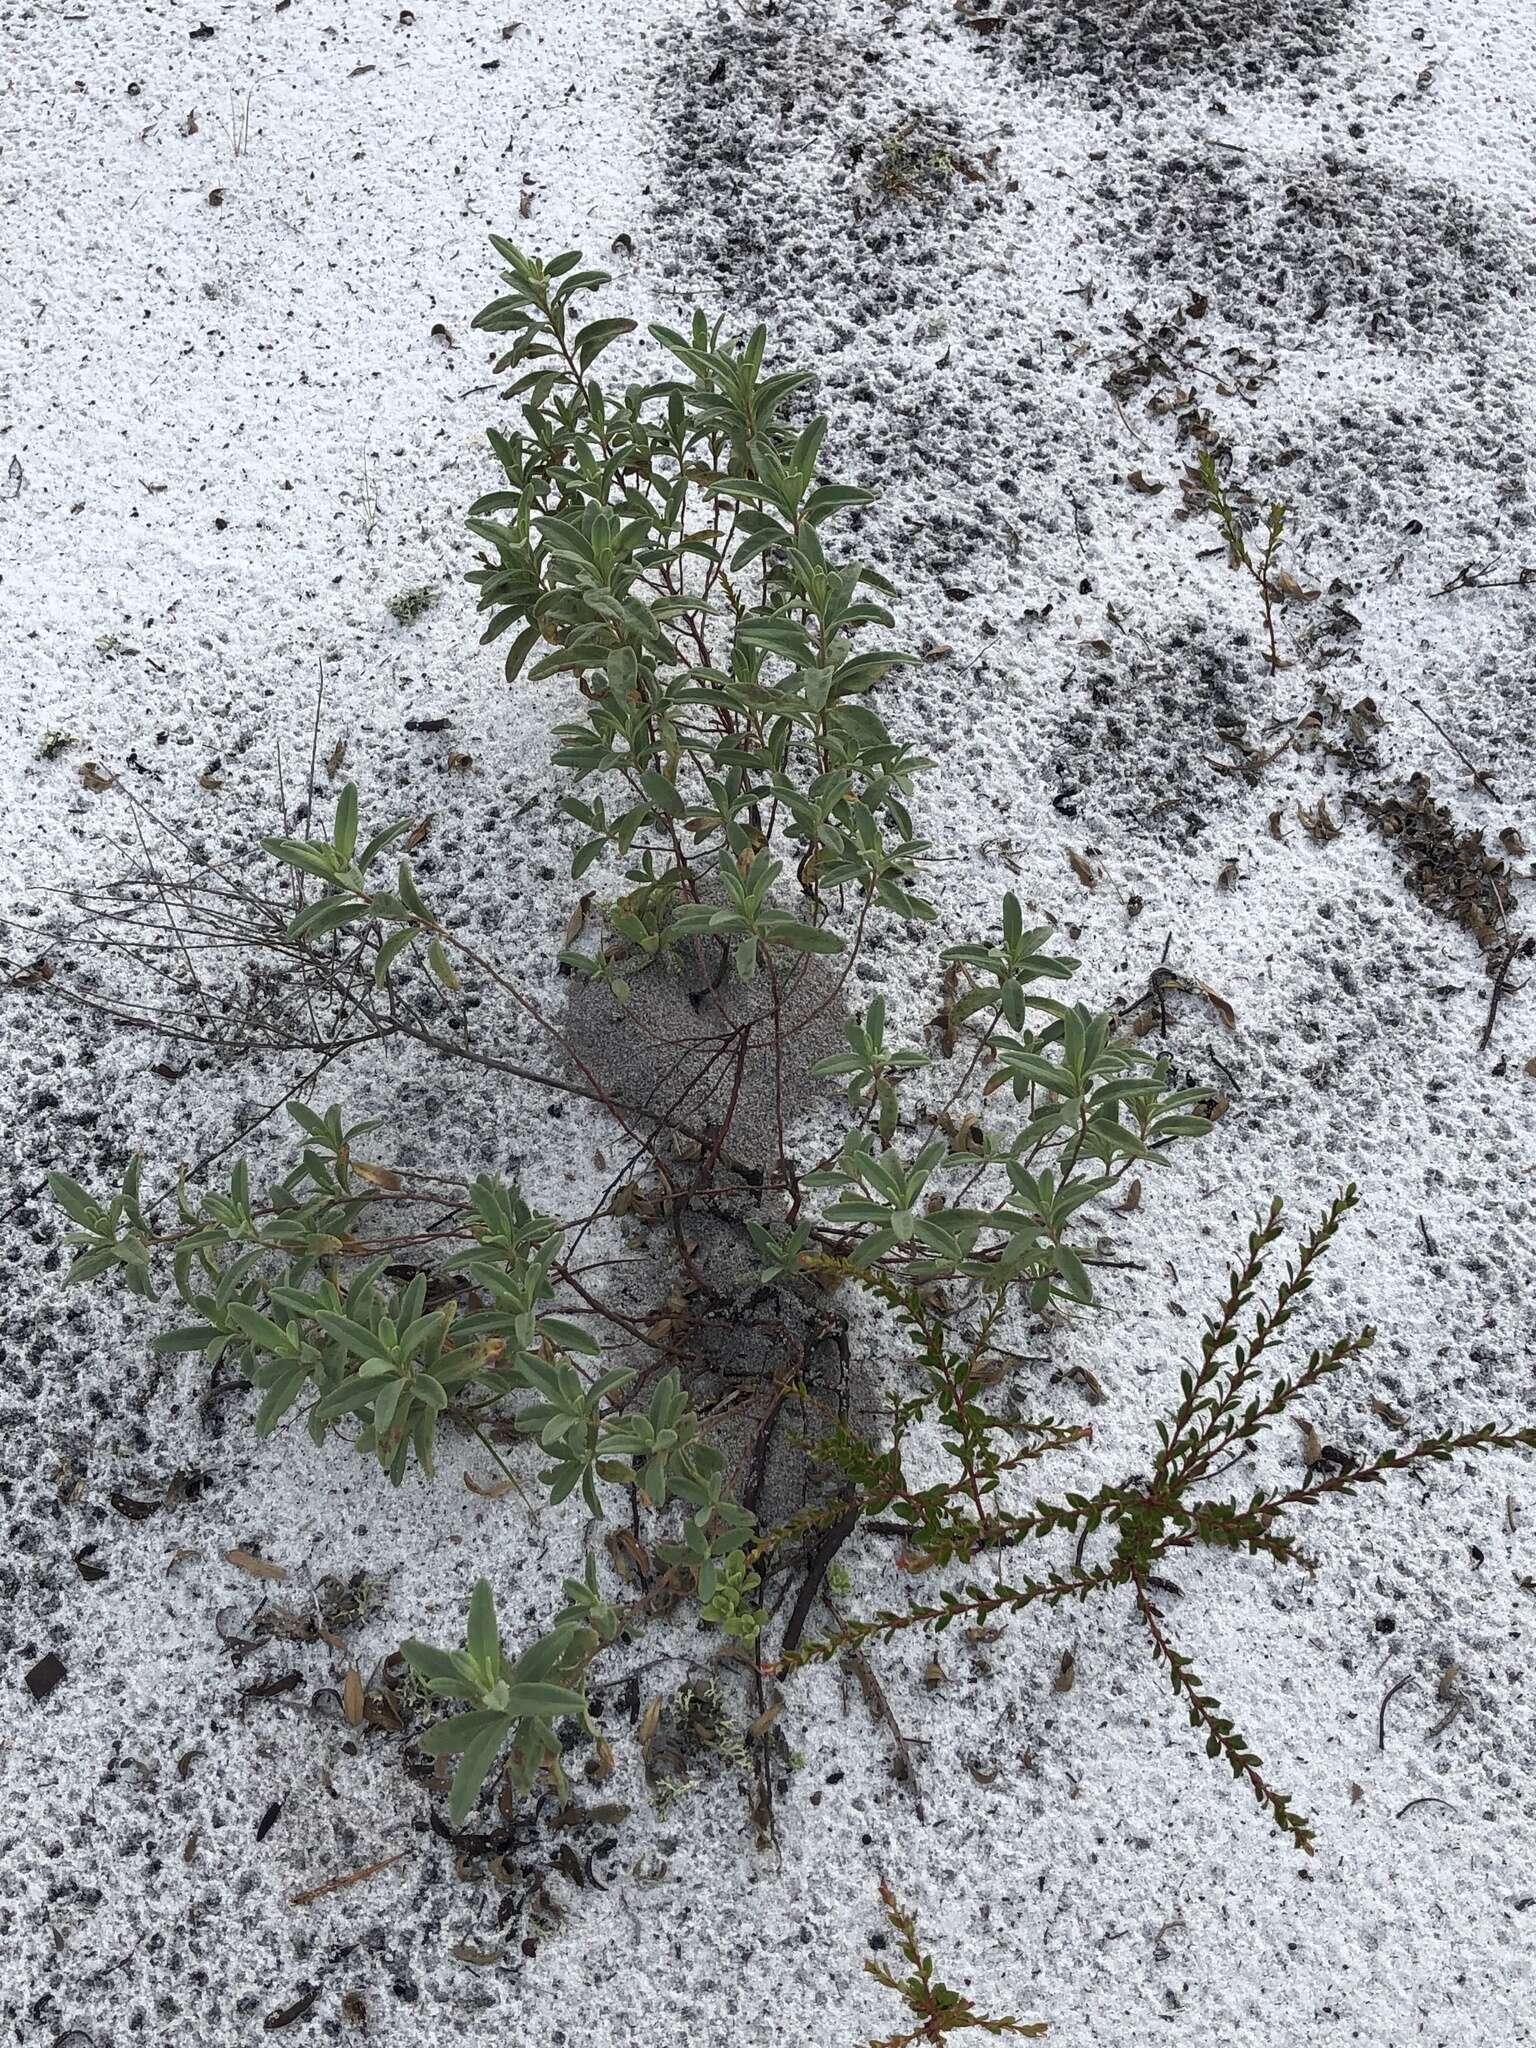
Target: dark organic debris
134 1510
46 1674
1451 871
286 2015
273 1688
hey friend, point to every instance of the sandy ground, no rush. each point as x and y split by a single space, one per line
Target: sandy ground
242 408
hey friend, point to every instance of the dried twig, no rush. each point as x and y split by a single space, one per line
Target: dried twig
1500 986
351 1877
1475 576
880 1707
1381 1718
1482 780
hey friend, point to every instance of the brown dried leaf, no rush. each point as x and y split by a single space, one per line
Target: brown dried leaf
1221 1006
334 760
574 1815
495 1489
352 1697
1320 823
383 1177
650 1721
418 833
576 923
94 777
1066 1673
1166 979
134 1510
1081 869
600 1767
765 1720
1144 484
1091 1384
258 1567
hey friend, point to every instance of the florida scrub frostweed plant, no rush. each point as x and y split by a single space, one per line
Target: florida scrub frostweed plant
661 550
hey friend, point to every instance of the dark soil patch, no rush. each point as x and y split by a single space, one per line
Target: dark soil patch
711 1050
1370 472
768 1364
763 121
1119 48
1411 263
800 184
1138 742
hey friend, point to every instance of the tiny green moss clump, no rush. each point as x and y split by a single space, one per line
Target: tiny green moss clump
407 606
911 167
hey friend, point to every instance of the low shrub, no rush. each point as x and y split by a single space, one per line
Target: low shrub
661 549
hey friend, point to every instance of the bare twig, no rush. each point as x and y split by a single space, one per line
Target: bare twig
351 1877
1381 1716
1483 780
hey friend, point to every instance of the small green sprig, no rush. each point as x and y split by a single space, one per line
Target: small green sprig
1260 565
517 1702
1219 1413
872 1069
937 2009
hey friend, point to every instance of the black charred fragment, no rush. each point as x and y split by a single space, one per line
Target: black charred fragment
46 1675
286 2015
